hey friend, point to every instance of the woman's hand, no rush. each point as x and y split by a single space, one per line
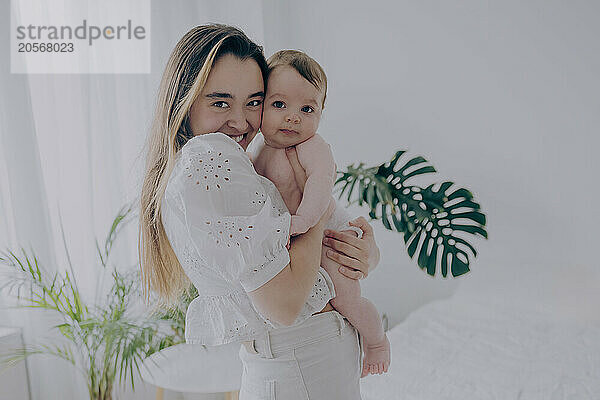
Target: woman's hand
299 172
355 256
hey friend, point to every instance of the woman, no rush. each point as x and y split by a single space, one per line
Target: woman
208 218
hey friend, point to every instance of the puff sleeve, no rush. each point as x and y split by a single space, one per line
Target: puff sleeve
236 219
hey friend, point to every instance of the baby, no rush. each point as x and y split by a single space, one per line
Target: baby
295 97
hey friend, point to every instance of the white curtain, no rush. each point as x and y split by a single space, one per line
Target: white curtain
71 155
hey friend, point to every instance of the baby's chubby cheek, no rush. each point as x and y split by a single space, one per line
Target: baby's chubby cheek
270 130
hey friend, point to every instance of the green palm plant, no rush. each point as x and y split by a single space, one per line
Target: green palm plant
432 221
104 340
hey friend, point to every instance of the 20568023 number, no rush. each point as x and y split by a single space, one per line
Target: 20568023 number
46 47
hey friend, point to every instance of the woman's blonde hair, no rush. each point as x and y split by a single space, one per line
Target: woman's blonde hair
184 77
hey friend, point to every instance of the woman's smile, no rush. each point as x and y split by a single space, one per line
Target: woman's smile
241 139
238 138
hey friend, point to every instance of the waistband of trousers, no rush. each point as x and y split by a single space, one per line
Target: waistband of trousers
274 343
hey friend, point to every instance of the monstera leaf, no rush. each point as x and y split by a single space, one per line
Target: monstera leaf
435 222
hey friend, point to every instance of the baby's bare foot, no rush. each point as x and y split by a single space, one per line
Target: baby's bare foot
377 357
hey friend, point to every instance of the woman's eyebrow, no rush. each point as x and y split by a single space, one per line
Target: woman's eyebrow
220 94
257 94
225 95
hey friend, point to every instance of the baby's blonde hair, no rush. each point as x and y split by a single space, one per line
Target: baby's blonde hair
306 66
183 79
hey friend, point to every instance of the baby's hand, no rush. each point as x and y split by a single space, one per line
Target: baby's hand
299 225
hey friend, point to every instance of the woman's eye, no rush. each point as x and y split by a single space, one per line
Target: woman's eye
307 109
278 104
221 104
255 103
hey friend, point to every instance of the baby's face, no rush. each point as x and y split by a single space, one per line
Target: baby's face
292 108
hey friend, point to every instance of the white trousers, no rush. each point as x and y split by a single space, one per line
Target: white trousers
318 359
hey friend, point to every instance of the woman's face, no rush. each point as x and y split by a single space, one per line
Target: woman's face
231 100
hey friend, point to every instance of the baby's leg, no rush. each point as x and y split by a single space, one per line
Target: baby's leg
363 315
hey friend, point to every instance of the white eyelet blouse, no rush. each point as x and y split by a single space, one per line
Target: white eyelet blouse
228 227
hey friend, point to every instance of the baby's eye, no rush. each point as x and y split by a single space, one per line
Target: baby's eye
307 109
255 103
221 104
278 104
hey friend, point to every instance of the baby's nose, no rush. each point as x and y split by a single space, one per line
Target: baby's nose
293 118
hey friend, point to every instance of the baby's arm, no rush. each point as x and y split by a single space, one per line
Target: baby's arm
317 160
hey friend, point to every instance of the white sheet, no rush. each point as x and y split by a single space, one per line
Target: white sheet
500 347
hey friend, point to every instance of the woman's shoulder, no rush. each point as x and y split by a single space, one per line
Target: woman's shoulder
210 152
212 161
209 142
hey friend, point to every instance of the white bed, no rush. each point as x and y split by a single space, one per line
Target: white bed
529 341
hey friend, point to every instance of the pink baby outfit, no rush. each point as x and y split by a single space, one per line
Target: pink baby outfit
316 158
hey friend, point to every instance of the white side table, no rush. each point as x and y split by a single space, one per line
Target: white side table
195 369
14 382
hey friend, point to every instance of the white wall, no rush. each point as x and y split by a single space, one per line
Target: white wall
501 97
